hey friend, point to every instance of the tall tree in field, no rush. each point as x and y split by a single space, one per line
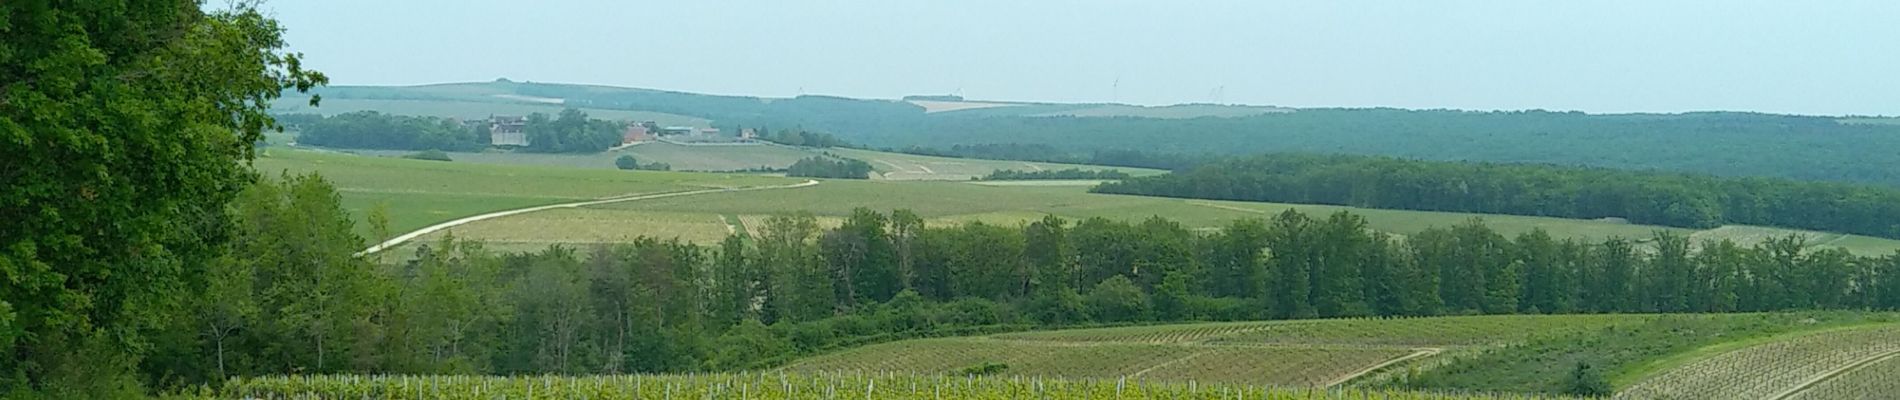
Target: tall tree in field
124 131
1046 251
904 227
1545 276
1668 274
1886 286
1290 247
1612 267
861 259
1718 282
798 289
1234 259
1344 245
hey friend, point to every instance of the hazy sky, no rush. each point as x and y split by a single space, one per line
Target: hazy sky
1821 57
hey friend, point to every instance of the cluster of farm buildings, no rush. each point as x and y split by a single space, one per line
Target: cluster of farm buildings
507 130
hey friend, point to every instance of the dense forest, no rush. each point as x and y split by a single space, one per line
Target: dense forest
291 298
830 167
1657 198
570 132
1071 173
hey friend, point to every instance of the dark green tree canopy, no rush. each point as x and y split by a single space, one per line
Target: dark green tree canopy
125 128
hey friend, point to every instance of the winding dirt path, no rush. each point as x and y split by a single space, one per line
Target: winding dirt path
406 237
1423 352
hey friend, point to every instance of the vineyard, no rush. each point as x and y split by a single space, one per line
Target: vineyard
781 386
1879 378
1310 353
1283 366
1775 369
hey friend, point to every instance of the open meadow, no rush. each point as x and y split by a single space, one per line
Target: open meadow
417 193
680 157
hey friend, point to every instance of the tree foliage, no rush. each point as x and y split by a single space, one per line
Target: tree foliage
124 131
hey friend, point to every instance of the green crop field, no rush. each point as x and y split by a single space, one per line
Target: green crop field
899 166
1288 353
942 202
782 386
1880 377
1774 369
418 193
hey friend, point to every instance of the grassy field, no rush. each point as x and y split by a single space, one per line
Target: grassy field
470 109
418 193
681 157
1310 353
780 386
898 166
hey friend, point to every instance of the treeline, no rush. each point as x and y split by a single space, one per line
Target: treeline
569 132
374 130
1695 201
290 298
1071 173
830 167
802 138
1047 153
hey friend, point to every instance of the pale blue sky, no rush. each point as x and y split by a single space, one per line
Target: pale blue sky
1822 57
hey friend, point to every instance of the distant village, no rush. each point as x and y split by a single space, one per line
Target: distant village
510 131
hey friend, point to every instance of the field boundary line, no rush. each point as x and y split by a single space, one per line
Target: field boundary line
1421 353
406 237
1831 374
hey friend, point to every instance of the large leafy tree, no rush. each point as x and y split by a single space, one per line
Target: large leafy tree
124 130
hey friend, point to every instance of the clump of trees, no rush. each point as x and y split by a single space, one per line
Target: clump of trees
1071 173
1681 200
374 130
802 138
830 167
570 132
627 162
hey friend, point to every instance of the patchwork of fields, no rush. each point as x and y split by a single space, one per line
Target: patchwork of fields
904 167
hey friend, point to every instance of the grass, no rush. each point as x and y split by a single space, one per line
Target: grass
580 226
469 109
418 192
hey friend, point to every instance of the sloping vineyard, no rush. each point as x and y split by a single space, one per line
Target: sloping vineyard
1769 370
775 386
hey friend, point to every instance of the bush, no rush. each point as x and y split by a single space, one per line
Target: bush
987 368
626 161
432 155
1117 299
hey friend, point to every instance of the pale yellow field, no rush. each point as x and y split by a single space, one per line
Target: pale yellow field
931 106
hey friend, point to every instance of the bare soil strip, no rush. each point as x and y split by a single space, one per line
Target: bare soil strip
1424 352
